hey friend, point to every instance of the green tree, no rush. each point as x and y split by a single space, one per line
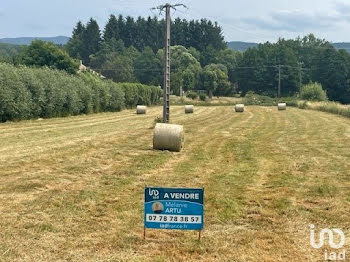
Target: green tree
118 67
215 80
148 68
41 53
75 44
91 41
112 29
184 67
209 81
231 60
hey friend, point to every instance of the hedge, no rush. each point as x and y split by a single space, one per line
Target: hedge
27 93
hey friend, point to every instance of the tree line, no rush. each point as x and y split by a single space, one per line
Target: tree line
131 50
300 61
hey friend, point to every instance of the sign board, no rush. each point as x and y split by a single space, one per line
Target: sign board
174 208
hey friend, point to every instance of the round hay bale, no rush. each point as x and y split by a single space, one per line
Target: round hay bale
189 109
282 106
239 108
168 137
141 110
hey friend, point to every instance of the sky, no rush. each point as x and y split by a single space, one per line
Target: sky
248 20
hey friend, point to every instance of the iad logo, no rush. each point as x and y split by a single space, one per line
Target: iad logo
154 193
333 256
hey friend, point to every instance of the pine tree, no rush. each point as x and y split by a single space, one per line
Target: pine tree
75 44
112 29
91 40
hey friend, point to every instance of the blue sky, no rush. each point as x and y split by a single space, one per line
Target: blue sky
248 20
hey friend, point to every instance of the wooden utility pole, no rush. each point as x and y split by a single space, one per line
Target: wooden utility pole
300 76
279 81
166 86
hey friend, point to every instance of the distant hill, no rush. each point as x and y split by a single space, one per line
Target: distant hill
345 46
244 46
59 40
240 46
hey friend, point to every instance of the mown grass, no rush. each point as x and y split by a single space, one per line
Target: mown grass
72 189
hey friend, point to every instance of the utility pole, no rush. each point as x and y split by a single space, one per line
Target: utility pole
166 86
279 81
300 76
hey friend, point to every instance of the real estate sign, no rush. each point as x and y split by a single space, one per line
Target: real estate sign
174 208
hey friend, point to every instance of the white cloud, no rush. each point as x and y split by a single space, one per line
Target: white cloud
299 20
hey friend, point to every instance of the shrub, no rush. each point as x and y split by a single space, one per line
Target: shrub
138 94
116 100
192 95
313 92
36 89
42 92
303 105
202 97
292 102
253 99
15 99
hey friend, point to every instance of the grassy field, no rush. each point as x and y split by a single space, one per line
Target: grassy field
71 189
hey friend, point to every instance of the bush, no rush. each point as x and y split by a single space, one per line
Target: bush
42 92
253 99
202 97
192 95
116 99
313 92
138 94
36 88
15 99
303 105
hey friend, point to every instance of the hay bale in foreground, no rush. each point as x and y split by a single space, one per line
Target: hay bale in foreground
239 108
168 137
282 106
141 110
189 109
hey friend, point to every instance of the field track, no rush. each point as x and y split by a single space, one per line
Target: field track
71 189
